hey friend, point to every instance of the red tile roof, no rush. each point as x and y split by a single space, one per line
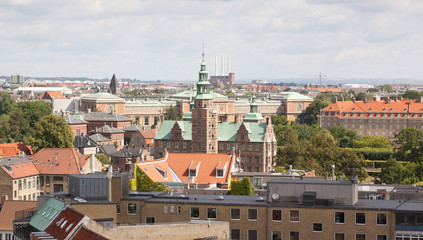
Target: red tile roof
21 170
64 223
375 109
180 163
14 149
158 170
52 95
148 133
59 161
84 234
7 213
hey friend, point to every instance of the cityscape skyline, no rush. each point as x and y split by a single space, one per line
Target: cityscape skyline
162 40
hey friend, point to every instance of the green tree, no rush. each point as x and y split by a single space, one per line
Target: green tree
307 132
408 145
142 182
279 123
170 113
243 187
7 104
392 172
19 126
344 137
33 111
386 88
372 90
410 94
363 96
103 158
372 142
51 132
310 115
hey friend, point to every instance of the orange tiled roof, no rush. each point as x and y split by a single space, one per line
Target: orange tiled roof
322 90
52 95
180 162
153 167
59 161
148 133
21 170
7 213
375 109
14 149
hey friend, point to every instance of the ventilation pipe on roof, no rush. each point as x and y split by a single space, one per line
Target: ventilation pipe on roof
109 181
92 163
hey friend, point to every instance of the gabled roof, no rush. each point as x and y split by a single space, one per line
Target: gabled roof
14 160
108 149
46 214
128 152
20 170
14 149
67 220
206 163
132 128
104 116
99 138
59 161
83 141
52 95
227 131
7 213
74 120
108 129
148 133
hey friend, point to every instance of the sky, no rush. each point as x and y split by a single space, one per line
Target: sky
159 39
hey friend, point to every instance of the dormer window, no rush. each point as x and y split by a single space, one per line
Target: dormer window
384 109
219 172
161 171
353 109
193 172
331 108
391 109
221 169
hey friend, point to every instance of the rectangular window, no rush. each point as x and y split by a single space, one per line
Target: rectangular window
8 236
212 213
317 227
118 208
47 181
193 172
382 237
132 208
150 220
24 183
276 215
172 209
29 183
276 235
58 188
235 214
58 178
15 194
235 234
252 234
257 182
195 212
360 218
33 182
294 215
339 217
339 236
381 218
146 121
165 209
219 172
184 145
252 214
20 185
294 235
179 210
360 236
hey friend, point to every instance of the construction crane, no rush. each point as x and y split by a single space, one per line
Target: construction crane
320 77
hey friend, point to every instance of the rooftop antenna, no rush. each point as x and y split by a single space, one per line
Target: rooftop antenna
320 77
202 54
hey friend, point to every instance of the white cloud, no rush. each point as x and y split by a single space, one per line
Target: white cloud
155 39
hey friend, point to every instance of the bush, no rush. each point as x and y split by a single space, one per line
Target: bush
103 158
374 153
243 187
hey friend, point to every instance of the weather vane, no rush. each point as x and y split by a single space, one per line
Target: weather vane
202 54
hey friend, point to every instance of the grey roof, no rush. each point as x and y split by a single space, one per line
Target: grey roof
108 129
128 152
14 160
83 141
410 206
99 138
133 128
309 181
103 116
73 120
108 149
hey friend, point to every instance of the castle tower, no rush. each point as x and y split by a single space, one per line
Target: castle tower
114 85
204 116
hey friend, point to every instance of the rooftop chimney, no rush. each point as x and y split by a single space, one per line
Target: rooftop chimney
109 181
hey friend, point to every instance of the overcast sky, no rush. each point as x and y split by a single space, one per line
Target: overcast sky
162 39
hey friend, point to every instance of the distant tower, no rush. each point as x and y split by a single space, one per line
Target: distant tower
204 116
114 85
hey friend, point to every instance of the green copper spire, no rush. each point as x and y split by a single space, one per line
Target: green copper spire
203 84
253 115
253 105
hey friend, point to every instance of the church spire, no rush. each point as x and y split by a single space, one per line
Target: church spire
203 84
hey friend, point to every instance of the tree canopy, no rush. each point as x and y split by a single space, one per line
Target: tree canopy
243 187
142 182
170 113
51 132
7 104
410 94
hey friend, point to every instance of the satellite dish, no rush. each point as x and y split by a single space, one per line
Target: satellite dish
275 196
